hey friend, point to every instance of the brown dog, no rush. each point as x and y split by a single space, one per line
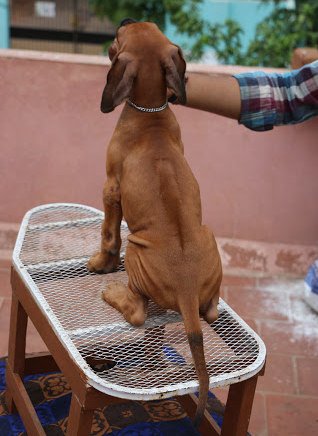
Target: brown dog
171 258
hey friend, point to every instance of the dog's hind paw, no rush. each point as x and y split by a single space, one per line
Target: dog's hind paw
103 263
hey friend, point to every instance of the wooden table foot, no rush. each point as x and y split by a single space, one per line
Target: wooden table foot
239 407
209 426
80 419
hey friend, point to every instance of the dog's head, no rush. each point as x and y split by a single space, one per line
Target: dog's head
135 44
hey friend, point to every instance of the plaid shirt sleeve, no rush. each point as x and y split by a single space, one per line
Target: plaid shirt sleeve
274 99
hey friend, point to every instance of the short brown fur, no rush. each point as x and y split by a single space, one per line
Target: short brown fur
171 258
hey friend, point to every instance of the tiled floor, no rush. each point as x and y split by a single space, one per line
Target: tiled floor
286 402
287 396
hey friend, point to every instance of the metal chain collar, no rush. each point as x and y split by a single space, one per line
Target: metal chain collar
148 109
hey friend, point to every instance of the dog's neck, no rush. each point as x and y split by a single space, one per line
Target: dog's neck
149 94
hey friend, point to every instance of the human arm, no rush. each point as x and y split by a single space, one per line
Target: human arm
217 93
258 100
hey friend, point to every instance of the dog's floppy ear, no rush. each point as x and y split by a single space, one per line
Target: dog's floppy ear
120 79
175 66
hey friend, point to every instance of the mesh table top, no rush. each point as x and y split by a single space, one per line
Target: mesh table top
149 362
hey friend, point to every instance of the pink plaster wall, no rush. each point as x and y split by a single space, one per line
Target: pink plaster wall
254 186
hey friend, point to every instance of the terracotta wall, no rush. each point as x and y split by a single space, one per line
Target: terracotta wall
254 186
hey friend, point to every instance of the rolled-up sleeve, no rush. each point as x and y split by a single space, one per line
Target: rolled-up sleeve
269 100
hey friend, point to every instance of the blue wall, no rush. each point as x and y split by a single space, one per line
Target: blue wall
248 13
4 23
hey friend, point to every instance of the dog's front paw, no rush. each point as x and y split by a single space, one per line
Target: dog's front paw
103 263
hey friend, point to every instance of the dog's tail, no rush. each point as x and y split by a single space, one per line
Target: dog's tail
190 313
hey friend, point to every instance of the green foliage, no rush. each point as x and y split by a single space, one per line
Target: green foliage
225 39
275 37
280 33
183 13
143 10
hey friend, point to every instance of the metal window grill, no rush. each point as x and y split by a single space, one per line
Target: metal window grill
149 362
69 26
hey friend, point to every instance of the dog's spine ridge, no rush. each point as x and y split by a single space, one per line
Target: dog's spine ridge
190 313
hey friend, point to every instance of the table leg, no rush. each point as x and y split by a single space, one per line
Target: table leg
238 408
17 339
80 419
208 426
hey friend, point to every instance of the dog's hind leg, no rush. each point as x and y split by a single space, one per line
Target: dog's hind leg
131 304
108 258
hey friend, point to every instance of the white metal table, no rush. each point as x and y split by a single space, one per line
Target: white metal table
103 356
